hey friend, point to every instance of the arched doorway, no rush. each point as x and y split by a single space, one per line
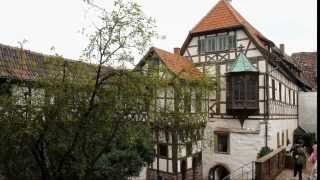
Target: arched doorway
218 172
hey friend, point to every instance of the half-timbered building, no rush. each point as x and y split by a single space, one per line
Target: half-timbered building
180 103
255 103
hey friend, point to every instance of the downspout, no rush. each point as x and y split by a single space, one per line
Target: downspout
266 105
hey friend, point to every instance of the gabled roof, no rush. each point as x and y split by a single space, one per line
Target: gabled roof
242 64
224 16
179 65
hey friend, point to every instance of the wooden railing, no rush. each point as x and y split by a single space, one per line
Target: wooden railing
270 165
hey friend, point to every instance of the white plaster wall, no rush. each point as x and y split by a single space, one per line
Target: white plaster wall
170 166
181 151
240 35
308 111
243 149
193 51
162 164
280 126
210 70
189 162
262 66
234 124
253 53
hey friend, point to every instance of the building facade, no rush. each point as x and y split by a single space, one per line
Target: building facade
255 103
180 103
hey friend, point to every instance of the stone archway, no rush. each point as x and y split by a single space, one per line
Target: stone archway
218 172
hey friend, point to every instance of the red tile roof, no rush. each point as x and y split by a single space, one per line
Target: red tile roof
27 65
20 64
222 16
179 65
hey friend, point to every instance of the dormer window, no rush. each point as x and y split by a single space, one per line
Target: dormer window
217 43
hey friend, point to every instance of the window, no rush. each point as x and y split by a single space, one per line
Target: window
294 98
285 94
251 87
287 137
231 42
280 92
163 150
222 43
189 149
177 100
187 101
278 140
282 140
198 100
4 87
221 142
289 96
216 43
245 88
273 90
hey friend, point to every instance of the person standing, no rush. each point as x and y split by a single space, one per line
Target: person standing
299 158
313 160
313 156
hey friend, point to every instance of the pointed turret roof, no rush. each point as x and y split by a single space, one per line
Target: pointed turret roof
242 64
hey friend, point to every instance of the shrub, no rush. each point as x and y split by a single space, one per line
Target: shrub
264 151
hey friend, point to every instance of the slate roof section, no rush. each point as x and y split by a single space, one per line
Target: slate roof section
242 64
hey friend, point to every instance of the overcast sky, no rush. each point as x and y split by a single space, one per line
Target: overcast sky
47 23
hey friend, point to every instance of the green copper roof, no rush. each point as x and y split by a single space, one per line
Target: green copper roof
242 64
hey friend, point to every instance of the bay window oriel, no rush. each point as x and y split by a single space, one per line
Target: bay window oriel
242 87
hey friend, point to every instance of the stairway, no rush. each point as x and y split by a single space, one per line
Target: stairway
245 172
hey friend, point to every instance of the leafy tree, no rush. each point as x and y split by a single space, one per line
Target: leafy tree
49 129
77 120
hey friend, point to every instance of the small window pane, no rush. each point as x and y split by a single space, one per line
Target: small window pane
163 150
231 42
222 142
189 149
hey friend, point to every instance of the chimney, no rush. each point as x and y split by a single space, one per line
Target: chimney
282 48
176 51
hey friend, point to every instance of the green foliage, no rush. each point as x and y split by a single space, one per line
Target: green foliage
264 151
186 107
49 128
79 120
